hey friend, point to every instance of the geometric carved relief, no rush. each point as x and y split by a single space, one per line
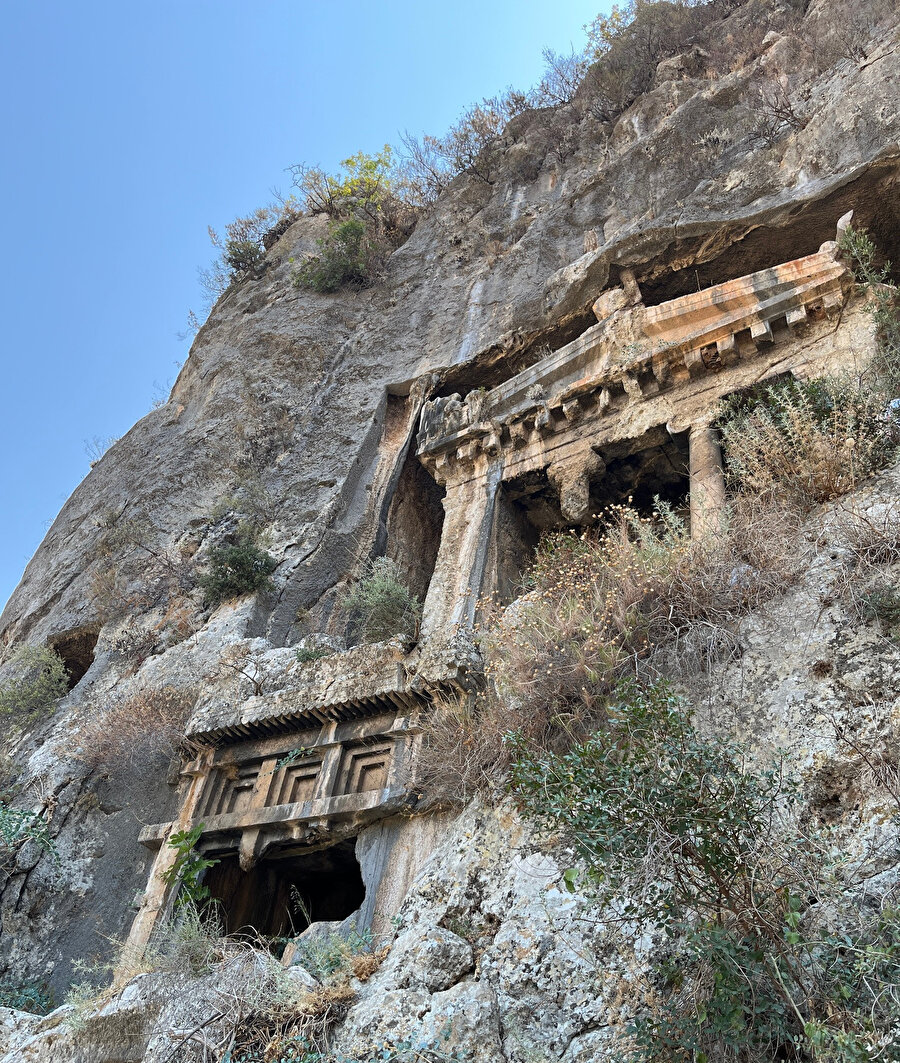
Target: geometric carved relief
294 783
230 788
364 766
285 783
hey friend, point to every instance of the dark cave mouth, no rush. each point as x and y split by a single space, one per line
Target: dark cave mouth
76 648
288 890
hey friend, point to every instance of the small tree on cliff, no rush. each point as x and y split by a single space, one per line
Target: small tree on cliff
236 569
369 215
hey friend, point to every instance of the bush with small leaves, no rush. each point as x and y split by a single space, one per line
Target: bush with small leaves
136 734
468 146
22 826
244 246
371 212
882 604
360 190
628 43
307 654
242 255
638 595
384 604
235 570
873 274
681 838
804 441
33 997
37 679
348 257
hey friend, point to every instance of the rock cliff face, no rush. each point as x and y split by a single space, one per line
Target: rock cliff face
306 406
488 948
681 190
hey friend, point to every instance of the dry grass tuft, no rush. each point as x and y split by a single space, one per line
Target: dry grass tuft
872 538
463 752
821 669
290 1026
136 732
326 1001
867 584
364 964
636 597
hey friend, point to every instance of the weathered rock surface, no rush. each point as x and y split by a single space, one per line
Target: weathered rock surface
318 396
680 181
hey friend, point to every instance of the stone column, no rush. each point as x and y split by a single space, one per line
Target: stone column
159 893
457 582
707 480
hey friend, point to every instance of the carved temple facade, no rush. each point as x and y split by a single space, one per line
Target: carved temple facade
623 411
594 422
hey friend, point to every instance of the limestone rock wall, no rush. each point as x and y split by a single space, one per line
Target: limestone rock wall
681 180
490 955
319 395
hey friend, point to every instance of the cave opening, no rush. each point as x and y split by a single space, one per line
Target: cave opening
76 648
637 472
288 890
414 524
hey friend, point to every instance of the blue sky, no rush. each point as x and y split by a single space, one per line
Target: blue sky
131 126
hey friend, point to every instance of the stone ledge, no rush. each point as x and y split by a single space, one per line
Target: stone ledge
636 352
287 818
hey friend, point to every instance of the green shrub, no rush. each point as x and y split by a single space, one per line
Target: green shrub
243 248
38 679
235 570
884 305
383 603
882 603
347 257
760 951
187 870
370 214
19 826
329 955
33 996
306 654
242 255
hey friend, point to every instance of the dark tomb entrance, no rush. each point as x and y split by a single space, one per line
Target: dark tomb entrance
282 894
636 473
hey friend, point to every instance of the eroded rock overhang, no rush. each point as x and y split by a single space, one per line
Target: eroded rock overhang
634 354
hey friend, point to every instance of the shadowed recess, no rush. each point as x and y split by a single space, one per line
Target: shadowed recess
283 894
